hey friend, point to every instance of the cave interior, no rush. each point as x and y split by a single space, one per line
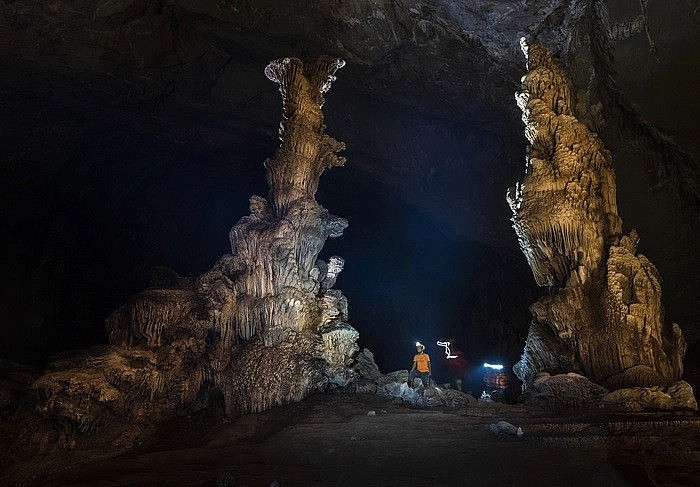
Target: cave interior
134 132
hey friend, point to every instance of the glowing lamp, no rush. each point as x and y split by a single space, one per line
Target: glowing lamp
493 366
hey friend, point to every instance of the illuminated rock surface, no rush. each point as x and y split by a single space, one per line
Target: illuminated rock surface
602 316
263 327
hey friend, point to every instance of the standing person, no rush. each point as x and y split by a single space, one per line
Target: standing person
421 366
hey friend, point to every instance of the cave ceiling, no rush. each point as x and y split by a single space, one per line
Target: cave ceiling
425 103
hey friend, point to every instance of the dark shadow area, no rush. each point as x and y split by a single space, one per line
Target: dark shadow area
407 281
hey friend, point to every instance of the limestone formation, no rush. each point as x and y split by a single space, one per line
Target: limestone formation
263 327
602 316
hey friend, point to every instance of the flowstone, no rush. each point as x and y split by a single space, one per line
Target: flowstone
263 327
602 317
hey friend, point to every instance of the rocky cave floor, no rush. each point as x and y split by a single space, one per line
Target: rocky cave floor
332 440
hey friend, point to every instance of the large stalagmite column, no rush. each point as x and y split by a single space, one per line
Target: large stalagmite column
263 327
305 151
602 317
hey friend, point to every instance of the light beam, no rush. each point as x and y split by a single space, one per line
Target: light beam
447 349
493 366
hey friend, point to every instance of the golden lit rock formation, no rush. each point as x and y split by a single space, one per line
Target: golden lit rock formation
603 316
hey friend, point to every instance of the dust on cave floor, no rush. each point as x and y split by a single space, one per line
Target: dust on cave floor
331 440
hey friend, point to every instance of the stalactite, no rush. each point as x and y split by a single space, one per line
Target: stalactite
603 317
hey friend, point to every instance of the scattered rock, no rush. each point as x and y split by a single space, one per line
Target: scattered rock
429 397
504 428
366 367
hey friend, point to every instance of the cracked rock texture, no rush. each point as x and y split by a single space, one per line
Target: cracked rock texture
563 391
263 327
603 316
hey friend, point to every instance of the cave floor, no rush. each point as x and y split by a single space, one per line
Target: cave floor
331 440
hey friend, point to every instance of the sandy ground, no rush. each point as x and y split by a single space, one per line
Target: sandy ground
330 440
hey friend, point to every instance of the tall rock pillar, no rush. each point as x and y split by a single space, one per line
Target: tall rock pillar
602 316
263 327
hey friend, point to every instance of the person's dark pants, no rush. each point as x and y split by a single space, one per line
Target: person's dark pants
424 377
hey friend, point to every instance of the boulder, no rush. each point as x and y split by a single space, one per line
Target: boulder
504 428
453 398
366 367
678 395
563 391
396 376
364 386
431 397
